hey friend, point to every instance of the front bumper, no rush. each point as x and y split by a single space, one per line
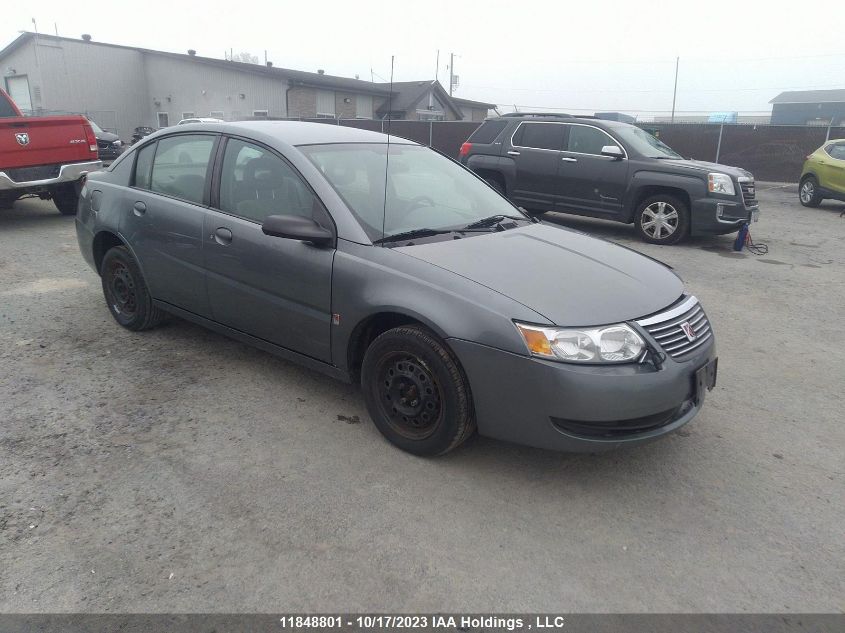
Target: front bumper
67 173
578 408
713 216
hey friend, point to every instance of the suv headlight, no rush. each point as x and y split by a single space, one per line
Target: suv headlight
608 344
720 183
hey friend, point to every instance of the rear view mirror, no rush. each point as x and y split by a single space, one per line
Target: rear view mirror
296 227
612 151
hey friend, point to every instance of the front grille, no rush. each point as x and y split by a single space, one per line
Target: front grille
27 174
749 192
668 328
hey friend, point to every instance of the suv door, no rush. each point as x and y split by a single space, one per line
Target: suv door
588 180
163 218
275 289
535 148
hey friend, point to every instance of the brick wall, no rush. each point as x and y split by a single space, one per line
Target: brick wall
302 102
342 109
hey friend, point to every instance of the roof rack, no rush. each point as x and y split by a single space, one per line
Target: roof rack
553 115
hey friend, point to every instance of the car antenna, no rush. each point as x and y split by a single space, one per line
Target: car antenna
387 156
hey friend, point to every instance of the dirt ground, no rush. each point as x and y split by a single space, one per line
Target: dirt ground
177 470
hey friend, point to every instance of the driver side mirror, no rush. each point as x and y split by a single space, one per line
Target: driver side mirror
296 227
613 151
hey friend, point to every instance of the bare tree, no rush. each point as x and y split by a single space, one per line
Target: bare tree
244 57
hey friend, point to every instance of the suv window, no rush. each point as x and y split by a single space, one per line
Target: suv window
584 139
180 166
255 183
837 151
488 131
144 165
540 135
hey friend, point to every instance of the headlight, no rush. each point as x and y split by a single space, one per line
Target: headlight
608 344
117 143
720 183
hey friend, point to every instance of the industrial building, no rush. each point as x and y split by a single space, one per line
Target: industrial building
809 107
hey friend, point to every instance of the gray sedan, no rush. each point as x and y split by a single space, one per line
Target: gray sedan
379 261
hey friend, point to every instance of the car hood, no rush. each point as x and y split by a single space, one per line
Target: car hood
567 277
704 166
108 136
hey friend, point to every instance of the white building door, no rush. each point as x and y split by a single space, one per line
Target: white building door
18 88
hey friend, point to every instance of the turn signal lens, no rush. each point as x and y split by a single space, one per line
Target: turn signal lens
537 340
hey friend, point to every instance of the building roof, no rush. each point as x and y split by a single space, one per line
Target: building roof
810 96
294 76
473 104
407 94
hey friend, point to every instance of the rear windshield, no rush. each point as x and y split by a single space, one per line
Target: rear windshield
488 131
6 109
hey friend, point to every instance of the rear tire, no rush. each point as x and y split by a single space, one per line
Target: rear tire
7 200
662 219
416 393
126 292
66 198
808 192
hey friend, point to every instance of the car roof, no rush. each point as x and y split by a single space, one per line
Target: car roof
297 132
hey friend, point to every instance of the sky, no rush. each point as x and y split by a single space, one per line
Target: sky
577 57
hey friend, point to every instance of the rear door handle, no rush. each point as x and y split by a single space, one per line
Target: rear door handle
222 236
513 152
139 208
567 159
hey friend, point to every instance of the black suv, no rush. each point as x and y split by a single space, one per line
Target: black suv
611 170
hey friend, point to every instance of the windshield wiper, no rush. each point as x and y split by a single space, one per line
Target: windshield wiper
493 220
412 234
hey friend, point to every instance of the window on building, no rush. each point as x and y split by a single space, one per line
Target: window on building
163 119
143 166
260 114
584 139
364 106
180 166
540 135
216 114
188 115
255 183
431 115
325 103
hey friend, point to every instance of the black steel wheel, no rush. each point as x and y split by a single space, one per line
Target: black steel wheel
416 393
126 293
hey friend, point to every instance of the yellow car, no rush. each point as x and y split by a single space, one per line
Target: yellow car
823 175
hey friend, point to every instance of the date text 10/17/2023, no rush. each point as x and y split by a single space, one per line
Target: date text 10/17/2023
439 621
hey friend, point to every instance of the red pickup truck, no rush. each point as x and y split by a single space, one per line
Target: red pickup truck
45 156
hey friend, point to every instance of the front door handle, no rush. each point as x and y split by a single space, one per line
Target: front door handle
513 152
222 236
567 159
139 208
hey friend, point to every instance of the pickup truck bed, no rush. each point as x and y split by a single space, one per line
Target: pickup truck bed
44 156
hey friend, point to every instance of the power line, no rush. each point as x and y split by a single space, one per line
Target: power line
687 91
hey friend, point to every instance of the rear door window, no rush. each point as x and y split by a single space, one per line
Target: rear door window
540 136
488 131
838 151
180 166
144 166
584 139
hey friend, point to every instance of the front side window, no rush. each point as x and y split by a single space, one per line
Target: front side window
541 135
644 143
584 139
180 166
255 183
422 189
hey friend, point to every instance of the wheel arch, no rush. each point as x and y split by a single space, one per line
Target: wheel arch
647 191
107 239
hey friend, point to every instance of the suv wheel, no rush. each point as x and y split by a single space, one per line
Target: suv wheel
66 199
808 192
416 393
126 292
662 219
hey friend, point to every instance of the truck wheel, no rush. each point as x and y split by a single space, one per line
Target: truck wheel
126 292
662 219
7 200
416 393
808 192
66 198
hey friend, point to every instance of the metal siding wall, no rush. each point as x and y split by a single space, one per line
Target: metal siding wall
325 102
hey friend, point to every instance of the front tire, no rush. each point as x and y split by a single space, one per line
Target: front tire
662 219
66 198
7 200
416 393
126 292
808 192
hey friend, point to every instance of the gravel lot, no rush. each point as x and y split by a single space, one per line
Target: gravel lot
177 470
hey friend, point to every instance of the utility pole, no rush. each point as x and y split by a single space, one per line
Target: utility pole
437 67
451 72
675 91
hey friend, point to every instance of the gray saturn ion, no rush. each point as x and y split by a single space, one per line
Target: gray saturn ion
378 260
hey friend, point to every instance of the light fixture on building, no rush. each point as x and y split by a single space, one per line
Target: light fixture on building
347 100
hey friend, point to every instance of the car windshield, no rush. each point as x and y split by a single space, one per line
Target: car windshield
644 143
424 189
